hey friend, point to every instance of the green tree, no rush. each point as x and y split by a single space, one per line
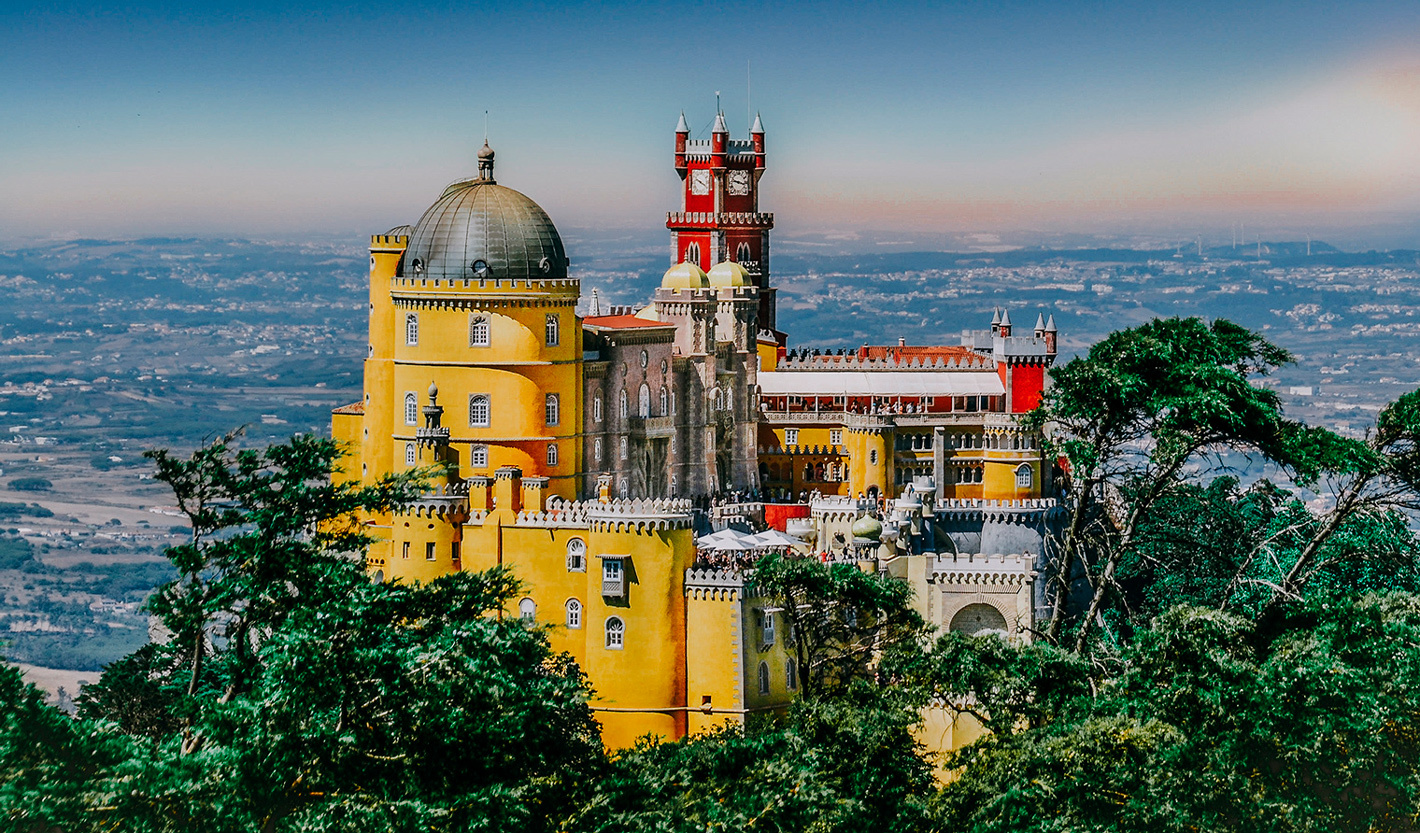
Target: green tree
296 694
840 619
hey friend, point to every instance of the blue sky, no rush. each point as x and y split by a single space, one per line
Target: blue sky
263 118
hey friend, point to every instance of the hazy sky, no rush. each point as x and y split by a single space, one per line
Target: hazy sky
260 118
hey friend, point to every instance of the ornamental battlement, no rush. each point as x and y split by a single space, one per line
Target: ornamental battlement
806 360
753 219
1011 569
441 501
712 584
483 284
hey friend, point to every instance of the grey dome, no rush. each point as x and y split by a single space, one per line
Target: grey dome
480 220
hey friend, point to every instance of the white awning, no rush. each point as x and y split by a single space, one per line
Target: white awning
880 383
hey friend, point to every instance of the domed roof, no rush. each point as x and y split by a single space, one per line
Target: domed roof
479 229
867 527
728 273
684 275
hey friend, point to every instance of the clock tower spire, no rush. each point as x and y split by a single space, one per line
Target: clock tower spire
719 217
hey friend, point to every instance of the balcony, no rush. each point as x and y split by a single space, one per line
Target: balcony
712 219
613 588
651 427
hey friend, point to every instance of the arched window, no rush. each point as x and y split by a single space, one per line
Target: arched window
409 454
552 454
665 402
478 456
624 449
596 407
577 556
615 633
692 253
719 400
672 410
742 253
791 675
411 409
623 408
1023 476
764 678
478 331
643 401
411 328
552 330
978 620
574 614
478 410
623 488
552 410
597 450
527 610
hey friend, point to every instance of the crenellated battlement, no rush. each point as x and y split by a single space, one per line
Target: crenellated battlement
1011 569
708 584
847 360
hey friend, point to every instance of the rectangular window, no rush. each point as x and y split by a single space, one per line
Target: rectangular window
410 455
553 331
478 456
429 551
411 328
478 331
613 582
767 628
791 436
454 552
596 407
835 436
552 454
405 550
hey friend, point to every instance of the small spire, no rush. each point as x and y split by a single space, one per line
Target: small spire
485 162
758 126
596 307
433 393
1050 324
1005 318
1039 322
995 316
720 124
681 126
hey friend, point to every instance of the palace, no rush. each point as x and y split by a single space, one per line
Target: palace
583 451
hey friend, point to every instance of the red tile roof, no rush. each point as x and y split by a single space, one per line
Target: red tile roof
353 408
621 322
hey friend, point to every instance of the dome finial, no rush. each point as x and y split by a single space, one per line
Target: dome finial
485 162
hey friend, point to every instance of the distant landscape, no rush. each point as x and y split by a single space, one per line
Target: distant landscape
109 348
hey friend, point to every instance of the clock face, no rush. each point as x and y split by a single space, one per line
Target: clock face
738 183
700 182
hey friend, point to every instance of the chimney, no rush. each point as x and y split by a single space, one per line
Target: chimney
508 489
478 494
534 492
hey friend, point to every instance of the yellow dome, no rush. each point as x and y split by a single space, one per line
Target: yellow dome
648 313
729 273
684 275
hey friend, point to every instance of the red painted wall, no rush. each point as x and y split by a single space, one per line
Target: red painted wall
1027 384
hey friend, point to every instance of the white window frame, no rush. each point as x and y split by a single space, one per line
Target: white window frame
527 610
552 329
835 436
615 630
411 328
596 407
643 401
665 402
552 454
473 420
430 552
625 448
573 608
1025 478
791 436
624 408
576 556
478 456
742 252
597 451
411 454
411 408
552 409
480 330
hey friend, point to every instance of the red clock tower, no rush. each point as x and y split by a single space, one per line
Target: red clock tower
719 218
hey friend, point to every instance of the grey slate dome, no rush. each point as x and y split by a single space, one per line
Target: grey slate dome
479 229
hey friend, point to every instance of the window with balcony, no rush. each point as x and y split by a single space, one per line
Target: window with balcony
613 578
643 401
766 628
665 402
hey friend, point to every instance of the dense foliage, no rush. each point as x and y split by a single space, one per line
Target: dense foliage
1226 655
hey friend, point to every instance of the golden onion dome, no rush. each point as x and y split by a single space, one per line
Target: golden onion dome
729 273
685 275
